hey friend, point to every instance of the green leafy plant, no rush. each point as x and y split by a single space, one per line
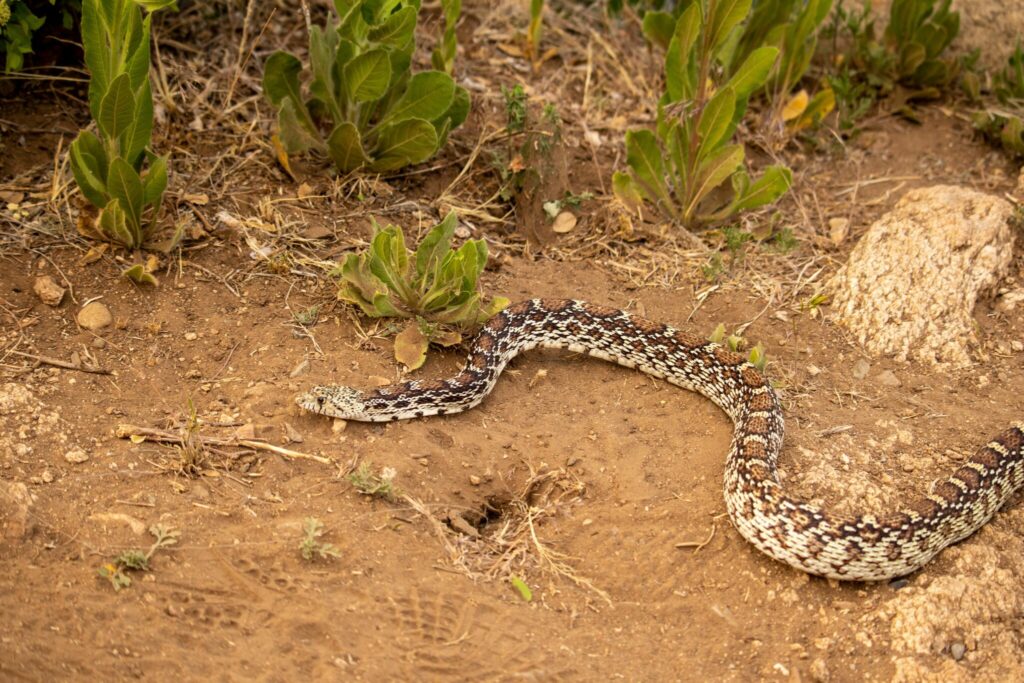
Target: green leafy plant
682 166
311 547
365 106
736 343
109 167
1004 121
910 52
116 571
791 26
21 20
918 33
434 287
374 484
443 56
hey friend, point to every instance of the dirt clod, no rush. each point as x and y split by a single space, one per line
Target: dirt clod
48 291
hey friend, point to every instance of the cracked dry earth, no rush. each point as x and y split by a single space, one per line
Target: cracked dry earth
236 601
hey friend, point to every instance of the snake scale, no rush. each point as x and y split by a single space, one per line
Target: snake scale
861 547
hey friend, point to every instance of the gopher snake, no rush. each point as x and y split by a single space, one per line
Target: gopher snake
865 547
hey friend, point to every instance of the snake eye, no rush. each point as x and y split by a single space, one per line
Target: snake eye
320 401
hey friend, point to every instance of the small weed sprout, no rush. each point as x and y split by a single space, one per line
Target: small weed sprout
311 547
375 485
116 570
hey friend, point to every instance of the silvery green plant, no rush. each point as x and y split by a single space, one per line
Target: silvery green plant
110 167
683 165
435 288
1003 120
363 106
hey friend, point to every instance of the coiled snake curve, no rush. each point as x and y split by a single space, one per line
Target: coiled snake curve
862 547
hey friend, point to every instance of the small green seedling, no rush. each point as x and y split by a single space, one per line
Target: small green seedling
435 288
311 547
137 560
375 485
757 356
443 56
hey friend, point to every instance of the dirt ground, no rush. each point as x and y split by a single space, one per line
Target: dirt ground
621 474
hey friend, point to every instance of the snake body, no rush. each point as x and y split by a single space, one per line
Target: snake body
860 547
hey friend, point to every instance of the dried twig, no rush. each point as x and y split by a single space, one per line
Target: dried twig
127 431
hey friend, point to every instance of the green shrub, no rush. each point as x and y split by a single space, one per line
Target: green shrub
792 26
365 107
434 287
918 33
1004 122
20 20
109 167
682 166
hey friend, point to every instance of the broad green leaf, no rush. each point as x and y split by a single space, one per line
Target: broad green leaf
435 245
295 136
428 95
712 173
155 182
408 142
752 73
367 76
124 184
397 31
96 54
912 55
678 59
281 85
112 224
117 108
659 27
772 184
345 148
137 63
136 137
323 50
644 158
139 275
716 121
725 15
281 78
389 261
626 189
89 166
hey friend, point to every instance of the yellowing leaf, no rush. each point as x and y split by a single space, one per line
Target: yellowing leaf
282 155
524 591
137 438
411 347
796 106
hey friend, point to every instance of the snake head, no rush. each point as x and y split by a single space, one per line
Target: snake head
344 402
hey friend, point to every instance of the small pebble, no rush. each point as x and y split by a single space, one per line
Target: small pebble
99 343
1017 345
813 370
958 650
301 369
338 426
888 378
47 477
95 316
76 456
474 480
191 336
48 291
861 369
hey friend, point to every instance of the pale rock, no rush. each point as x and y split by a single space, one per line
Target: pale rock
911 283
95 316
48 291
